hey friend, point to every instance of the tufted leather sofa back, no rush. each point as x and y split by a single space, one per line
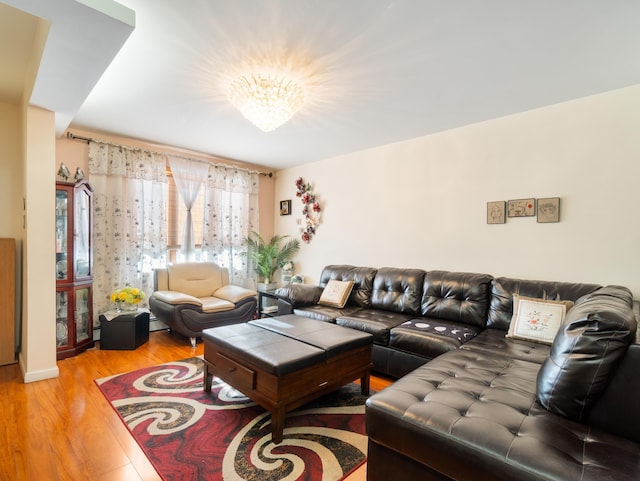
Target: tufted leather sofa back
398 290
503 289
362 278
457 296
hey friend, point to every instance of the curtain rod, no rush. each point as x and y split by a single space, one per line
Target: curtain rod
88 140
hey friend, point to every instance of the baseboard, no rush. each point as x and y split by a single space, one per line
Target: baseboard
41 375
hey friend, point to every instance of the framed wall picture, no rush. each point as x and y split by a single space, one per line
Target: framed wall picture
522 208
496 212
549 209
285 207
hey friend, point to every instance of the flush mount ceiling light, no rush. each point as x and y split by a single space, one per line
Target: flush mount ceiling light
266 100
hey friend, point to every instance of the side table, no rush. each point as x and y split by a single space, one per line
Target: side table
124 330
263 310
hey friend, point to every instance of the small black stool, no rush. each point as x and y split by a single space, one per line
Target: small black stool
125 331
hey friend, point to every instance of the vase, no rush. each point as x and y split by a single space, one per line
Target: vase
126 307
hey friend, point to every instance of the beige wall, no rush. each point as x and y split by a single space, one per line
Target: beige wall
11 166
422 203
38 355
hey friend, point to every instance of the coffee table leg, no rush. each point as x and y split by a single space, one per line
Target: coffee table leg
364 383
277 425
208 378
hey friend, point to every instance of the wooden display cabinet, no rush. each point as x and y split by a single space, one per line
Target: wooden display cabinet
74 268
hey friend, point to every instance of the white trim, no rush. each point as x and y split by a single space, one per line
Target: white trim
38 375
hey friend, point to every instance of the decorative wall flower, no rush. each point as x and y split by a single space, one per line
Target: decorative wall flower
310 209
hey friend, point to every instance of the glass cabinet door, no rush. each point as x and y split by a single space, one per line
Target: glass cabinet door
82 243
62 318
82 314
62 204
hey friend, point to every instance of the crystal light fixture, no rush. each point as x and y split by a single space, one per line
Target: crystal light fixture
267 101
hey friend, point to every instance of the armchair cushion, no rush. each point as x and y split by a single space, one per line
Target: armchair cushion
175 298
206 304
215 304
233 293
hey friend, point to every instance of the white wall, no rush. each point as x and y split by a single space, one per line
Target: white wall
422 203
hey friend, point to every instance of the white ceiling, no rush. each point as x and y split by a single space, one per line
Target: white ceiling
374 71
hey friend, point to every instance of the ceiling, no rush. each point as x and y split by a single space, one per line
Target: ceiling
374 71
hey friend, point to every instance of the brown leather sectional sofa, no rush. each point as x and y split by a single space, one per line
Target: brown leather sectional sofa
473 404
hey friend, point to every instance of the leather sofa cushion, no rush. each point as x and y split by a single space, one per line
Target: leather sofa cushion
362 278
300 294
472 415
456 296
428 337
586 351
398 290
503 289
374 321
325 313
494 342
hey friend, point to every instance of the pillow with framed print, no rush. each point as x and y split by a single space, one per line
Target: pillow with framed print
336 293
536 320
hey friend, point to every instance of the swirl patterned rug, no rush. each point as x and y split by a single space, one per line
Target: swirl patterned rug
188 434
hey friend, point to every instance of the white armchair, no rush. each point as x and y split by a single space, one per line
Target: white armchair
193 296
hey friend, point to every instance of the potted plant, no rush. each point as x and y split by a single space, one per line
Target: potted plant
268 257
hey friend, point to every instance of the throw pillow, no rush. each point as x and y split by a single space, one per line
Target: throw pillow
536 320
336 293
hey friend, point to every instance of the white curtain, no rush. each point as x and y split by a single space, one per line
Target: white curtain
129 223
189 176
230 214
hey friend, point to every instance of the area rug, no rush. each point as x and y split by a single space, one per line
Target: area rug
188 434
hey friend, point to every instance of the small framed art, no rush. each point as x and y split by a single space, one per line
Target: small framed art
549 209
285 207
496 212
522 208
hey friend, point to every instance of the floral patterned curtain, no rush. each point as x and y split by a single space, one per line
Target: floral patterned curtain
129 223
230 214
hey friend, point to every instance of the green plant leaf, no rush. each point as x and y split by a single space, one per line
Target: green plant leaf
268 257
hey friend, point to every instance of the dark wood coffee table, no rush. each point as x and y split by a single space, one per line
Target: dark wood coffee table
284 362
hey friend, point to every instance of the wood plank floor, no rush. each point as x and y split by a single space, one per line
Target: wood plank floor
64 429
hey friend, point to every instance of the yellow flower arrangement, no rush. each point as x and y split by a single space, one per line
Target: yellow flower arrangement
128 295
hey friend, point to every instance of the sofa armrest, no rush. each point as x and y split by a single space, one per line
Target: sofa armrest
298 295
175 298
233 293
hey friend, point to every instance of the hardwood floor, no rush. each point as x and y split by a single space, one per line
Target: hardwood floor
64 429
